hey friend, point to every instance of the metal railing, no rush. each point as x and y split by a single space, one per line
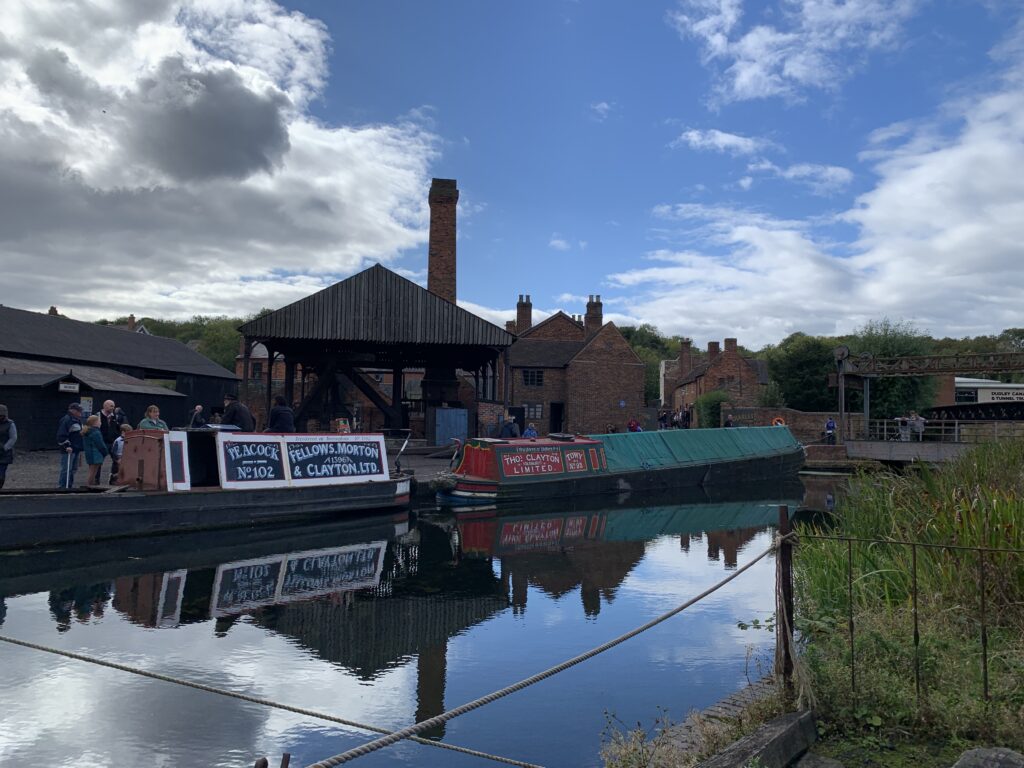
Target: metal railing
983 582
921 430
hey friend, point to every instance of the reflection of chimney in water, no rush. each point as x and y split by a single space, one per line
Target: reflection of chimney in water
684 542
431 673
520 587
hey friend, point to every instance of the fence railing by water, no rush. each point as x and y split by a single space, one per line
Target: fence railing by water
982 557
955 431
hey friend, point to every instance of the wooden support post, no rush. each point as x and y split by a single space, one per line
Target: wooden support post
397 420
289 382
270 384
286 759
246 356
784 604
262 763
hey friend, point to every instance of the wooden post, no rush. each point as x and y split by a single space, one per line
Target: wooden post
262 763
286 759
784 604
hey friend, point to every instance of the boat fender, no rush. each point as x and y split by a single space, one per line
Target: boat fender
778 421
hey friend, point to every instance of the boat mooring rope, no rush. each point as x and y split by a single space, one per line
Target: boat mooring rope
257 700
444 717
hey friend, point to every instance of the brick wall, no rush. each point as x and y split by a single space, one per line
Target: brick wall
727 372
606 373
552 391
559 326
806 426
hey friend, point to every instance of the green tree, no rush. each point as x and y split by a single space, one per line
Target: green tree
771 396
800 365
708 408
651 347
891 397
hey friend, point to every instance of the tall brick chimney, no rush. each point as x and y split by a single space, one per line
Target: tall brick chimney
713 350
730 345
524 314
53 311
594 318
131 322
685 356
444 195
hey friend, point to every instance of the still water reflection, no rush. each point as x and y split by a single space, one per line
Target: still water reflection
384 620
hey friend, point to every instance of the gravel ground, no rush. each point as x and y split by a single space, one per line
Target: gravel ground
38 469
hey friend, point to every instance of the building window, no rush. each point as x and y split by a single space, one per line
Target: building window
533 378
533 410
255 370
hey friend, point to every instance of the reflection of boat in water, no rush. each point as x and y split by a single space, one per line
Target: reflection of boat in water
497 532
198 479
561 466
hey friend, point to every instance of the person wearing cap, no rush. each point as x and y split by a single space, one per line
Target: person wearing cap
236 413
71 444
8 437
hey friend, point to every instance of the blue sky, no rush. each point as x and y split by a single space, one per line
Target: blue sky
717 168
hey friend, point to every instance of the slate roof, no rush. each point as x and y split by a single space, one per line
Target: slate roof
38 373
51 336
381 307
543 353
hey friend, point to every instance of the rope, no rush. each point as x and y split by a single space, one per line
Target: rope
444 717
257 700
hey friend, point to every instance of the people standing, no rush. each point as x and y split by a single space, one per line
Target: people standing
830 431
197 420
69 440
95 448
116 452
281 418
904 428
153 420
530 431
917 424
8 437
110 426
685 418
238 414
633 425
509 428
728 420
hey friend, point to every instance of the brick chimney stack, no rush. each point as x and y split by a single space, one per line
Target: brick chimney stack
685 356
713 350
510 326
131 322
730 345
524 314
595 316
53 311
444 196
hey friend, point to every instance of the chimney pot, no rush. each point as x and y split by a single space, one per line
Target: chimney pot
594 318
524 314
730 345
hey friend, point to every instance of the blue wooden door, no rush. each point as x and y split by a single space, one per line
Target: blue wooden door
450 423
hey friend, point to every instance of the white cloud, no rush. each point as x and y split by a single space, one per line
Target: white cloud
936 241
165 148
720 141
817 44
559 243
600 110
745 183
822 179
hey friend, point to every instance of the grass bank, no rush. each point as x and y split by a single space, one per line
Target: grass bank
933 695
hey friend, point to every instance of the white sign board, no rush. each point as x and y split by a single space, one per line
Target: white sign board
248 460
1000 395
67 386
176 461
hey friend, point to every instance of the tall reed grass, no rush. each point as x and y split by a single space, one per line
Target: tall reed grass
977 502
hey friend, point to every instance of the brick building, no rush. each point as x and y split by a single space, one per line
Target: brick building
572 373
691 375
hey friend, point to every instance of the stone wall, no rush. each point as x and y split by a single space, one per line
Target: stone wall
807 426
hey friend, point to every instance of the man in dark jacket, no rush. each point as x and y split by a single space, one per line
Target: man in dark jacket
236 413
111 419
70 443
281 419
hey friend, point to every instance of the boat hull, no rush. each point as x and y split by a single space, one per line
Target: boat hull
467 490
36 519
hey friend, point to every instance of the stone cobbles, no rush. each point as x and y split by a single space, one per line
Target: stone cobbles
997 757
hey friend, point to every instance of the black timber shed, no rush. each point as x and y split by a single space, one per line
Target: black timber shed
27 338
375 319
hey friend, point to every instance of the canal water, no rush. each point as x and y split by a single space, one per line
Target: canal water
384 620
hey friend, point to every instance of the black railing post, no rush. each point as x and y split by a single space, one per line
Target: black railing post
984 623
917 634
784 603
849 592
